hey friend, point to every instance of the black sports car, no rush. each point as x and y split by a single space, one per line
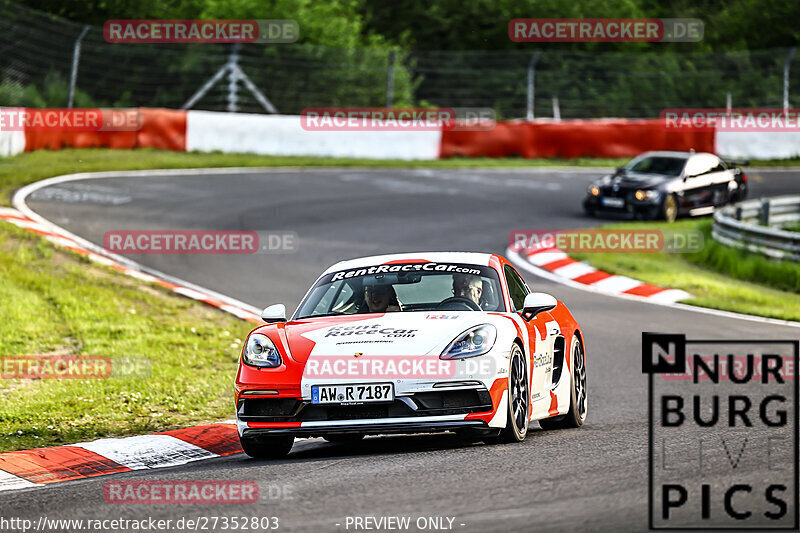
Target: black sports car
666 185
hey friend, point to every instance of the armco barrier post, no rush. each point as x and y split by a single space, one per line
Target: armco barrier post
765 211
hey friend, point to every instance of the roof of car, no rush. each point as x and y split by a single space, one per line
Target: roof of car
470 258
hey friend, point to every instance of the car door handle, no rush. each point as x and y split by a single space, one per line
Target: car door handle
555 331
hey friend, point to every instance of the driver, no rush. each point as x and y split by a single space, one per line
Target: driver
381 298
468 286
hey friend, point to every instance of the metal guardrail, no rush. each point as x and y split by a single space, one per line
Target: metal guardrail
755 226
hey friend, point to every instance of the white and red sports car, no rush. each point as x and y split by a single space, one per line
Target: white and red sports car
411 343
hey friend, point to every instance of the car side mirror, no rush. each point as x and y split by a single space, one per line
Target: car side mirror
535 303
620 170
274 313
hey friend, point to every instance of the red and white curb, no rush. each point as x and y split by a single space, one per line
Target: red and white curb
42 466
555 264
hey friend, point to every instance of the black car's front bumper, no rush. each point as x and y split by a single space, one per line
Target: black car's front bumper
624 203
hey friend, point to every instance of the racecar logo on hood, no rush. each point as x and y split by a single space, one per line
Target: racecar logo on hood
368 329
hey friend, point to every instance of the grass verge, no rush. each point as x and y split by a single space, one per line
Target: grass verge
58 303
718 276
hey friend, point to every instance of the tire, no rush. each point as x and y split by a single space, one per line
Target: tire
517 400
669 208
267 447
578 403
344 438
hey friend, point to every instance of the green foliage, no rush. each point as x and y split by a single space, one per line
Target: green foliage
54 92
745 265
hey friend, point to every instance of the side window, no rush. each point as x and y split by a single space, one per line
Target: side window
517 288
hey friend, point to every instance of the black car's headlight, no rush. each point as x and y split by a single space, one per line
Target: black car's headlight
472 343
261 351
647 196
594 190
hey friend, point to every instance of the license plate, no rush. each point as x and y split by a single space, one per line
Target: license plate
614 202
352 394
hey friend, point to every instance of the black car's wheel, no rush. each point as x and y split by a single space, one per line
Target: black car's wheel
518 407
267 447
669 208
578 405
344 438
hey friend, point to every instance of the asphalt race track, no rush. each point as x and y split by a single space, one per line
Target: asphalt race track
594 478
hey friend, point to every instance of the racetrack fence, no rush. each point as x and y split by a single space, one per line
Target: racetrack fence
38 51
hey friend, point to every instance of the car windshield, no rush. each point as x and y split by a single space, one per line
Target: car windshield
668 166
404 287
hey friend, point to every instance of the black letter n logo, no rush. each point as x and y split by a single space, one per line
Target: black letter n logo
663 353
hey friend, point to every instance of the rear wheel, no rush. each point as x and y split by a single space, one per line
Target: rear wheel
578 404
267 447
518 408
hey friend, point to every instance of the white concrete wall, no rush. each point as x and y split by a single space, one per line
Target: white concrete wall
11 142
208 131
758 144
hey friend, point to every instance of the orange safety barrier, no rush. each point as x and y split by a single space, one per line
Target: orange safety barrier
573 138
159 128
164 129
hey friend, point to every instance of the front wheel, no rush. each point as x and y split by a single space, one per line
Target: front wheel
518 408
576 415
267 447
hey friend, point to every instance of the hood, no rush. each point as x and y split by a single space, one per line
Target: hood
407 333
638 180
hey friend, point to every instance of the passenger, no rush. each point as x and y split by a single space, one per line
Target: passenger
381 299
468 286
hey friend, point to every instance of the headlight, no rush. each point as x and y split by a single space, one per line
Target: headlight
594 190
472 343
646 195
260 351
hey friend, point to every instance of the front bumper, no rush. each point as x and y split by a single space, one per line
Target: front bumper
427 411
629 205
368 428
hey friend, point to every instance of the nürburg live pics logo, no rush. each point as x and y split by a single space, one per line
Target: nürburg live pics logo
723 433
